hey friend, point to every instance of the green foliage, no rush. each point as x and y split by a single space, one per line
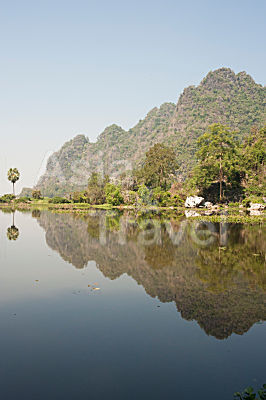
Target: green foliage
166 199
36 194
59 200
235 204
160 197
113 194
130 197
246 202
13 176
112 222
21 200
96 188
177 201
218 159
254 155
159 167
251 199
79 197
249 394
144 195
239 170
7 198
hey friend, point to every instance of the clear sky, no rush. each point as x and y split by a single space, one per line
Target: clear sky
70 67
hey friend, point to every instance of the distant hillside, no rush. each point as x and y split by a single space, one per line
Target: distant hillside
222 96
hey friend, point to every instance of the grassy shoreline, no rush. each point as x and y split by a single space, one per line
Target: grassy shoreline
229 214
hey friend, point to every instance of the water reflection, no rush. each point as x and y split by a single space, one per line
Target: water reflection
12 232
215 275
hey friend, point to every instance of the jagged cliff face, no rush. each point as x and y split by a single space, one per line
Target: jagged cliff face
115 151
222 96
223 290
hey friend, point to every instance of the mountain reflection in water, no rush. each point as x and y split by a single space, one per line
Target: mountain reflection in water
219 282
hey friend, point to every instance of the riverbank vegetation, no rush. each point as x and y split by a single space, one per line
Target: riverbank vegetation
249 394
227 172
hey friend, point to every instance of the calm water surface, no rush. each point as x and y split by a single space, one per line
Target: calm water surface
109 306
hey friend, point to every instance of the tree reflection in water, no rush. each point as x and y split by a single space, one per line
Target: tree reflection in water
12 232
221 286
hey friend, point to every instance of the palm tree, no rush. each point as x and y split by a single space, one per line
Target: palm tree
13 176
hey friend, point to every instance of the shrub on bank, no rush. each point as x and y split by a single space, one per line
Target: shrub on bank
249 394
165 199
79 197
177 201
36 195
236 204
252 199
22 200
130 197
113 194
59 200
7 198
144 195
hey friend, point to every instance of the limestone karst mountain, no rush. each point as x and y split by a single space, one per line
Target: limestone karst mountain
222 96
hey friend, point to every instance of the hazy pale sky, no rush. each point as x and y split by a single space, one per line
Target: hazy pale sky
70 67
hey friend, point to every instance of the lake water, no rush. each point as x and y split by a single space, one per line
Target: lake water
110 306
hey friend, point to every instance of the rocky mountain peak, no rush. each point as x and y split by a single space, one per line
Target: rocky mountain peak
222 97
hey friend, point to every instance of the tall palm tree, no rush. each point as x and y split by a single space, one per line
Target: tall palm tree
13 176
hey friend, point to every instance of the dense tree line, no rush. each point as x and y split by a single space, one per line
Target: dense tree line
226 170
237 169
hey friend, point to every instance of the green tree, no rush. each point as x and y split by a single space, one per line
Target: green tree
144 195
159 166
218 158
79 197
113 194
59 200
96 188
7 198
13 176
36 194
254 155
